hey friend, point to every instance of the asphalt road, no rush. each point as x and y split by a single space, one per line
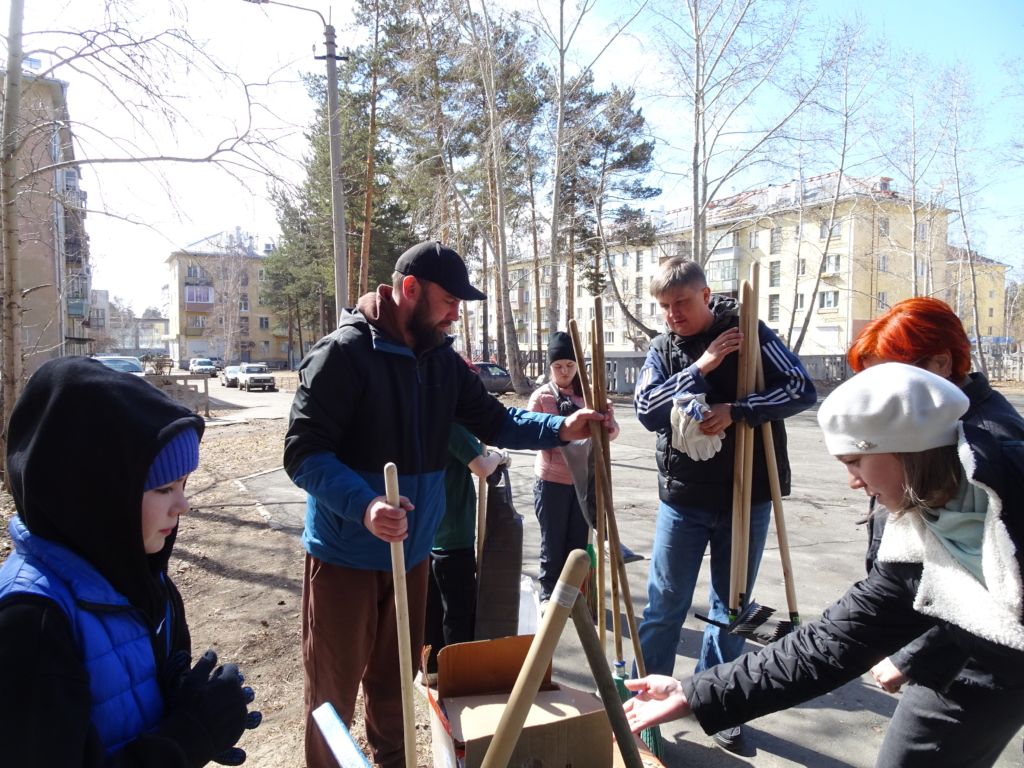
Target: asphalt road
841 730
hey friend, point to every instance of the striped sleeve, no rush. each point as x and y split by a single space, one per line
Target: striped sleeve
652 399
788 389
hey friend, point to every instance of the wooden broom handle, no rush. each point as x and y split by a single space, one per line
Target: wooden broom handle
503 744
780 519
402 617
605 684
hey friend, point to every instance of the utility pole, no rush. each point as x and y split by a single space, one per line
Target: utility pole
334 127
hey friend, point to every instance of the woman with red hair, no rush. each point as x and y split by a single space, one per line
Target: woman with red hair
926 333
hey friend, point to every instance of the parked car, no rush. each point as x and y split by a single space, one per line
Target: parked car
218 363
202 365
229 376
496 378
122 363
255 376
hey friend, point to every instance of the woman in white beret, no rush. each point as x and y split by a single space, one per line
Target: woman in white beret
950 561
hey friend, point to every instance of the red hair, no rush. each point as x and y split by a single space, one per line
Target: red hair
911 331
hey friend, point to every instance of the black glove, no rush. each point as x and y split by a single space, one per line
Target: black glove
236 756
215 698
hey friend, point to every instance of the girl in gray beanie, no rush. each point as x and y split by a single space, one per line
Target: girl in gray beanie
950 564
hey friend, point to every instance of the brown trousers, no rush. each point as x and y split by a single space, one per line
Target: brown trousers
350 635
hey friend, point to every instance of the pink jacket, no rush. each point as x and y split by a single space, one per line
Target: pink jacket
549 464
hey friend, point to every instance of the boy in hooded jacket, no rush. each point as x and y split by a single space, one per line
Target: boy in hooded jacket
94 647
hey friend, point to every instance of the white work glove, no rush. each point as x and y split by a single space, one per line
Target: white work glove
506 458
687 414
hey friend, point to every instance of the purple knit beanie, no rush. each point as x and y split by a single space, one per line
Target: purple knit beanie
178 458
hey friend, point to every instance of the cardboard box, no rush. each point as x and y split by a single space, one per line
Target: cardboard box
565 727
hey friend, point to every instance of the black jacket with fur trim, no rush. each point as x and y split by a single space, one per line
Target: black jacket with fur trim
915 586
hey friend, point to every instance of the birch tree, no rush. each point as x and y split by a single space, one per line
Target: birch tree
727 59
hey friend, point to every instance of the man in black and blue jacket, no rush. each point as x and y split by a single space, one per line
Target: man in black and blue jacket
696 357
385 386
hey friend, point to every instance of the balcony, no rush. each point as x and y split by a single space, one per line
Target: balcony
199 306
78 308
194 331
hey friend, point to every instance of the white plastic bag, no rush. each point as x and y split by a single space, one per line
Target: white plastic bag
529 607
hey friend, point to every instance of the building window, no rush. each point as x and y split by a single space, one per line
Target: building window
654 308
920 267
990 330
579 313
736 239
625 258
609 311
625 337
244 278
752 237
773 308
796 231
831 264
801 267
883 300
776 241
836 230
991 312
883 227
261 301
243 326
991 295
828 300
220 321
883 264
264 347
283 347
264 323
799 301
261 275
579 289
545 271
591 315
609 337
198 294
639 261
197 321
243 303
774 274
195 271
639 287
922 231
654 256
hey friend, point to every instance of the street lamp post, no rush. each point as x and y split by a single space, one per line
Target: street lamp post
334 127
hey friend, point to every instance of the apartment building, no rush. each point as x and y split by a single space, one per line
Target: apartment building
878 252
217 306
990 277
54 255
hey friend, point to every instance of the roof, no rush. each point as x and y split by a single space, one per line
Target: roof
956 255
227 243
816 190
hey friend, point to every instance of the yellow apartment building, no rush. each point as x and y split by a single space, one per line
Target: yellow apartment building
217 306
990 277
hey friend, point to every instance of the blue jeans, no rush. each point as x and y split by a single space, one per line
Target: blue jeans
680 540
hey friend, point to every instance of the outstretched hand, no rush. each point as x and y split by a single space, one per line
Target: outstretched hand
576 426
658 699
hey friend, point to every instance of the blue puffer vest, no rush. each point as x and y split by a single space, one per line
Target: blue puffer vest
111 635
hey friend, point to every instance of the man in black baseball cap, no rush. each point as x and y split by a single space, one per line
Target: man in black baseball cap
430 260
386 386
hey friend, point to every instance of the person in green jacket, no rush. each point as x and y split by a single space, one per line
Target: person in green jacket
451 589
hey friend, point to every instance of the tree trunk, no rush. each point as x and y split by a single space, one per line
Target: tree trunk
364 255
12 362
556 179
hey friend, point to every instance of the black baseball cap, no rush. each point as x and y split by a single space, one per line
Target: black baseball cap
430 260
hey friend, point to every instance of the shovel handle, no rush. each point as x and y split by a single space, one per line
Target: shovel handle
402 617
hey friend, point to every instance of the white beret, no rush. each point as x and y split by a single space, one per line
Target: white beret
891 408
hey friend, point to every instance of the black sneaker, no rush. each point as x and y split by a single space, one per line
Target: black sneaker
730 739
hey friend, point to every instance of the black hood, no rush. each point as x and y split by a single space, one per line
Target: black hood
80 444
